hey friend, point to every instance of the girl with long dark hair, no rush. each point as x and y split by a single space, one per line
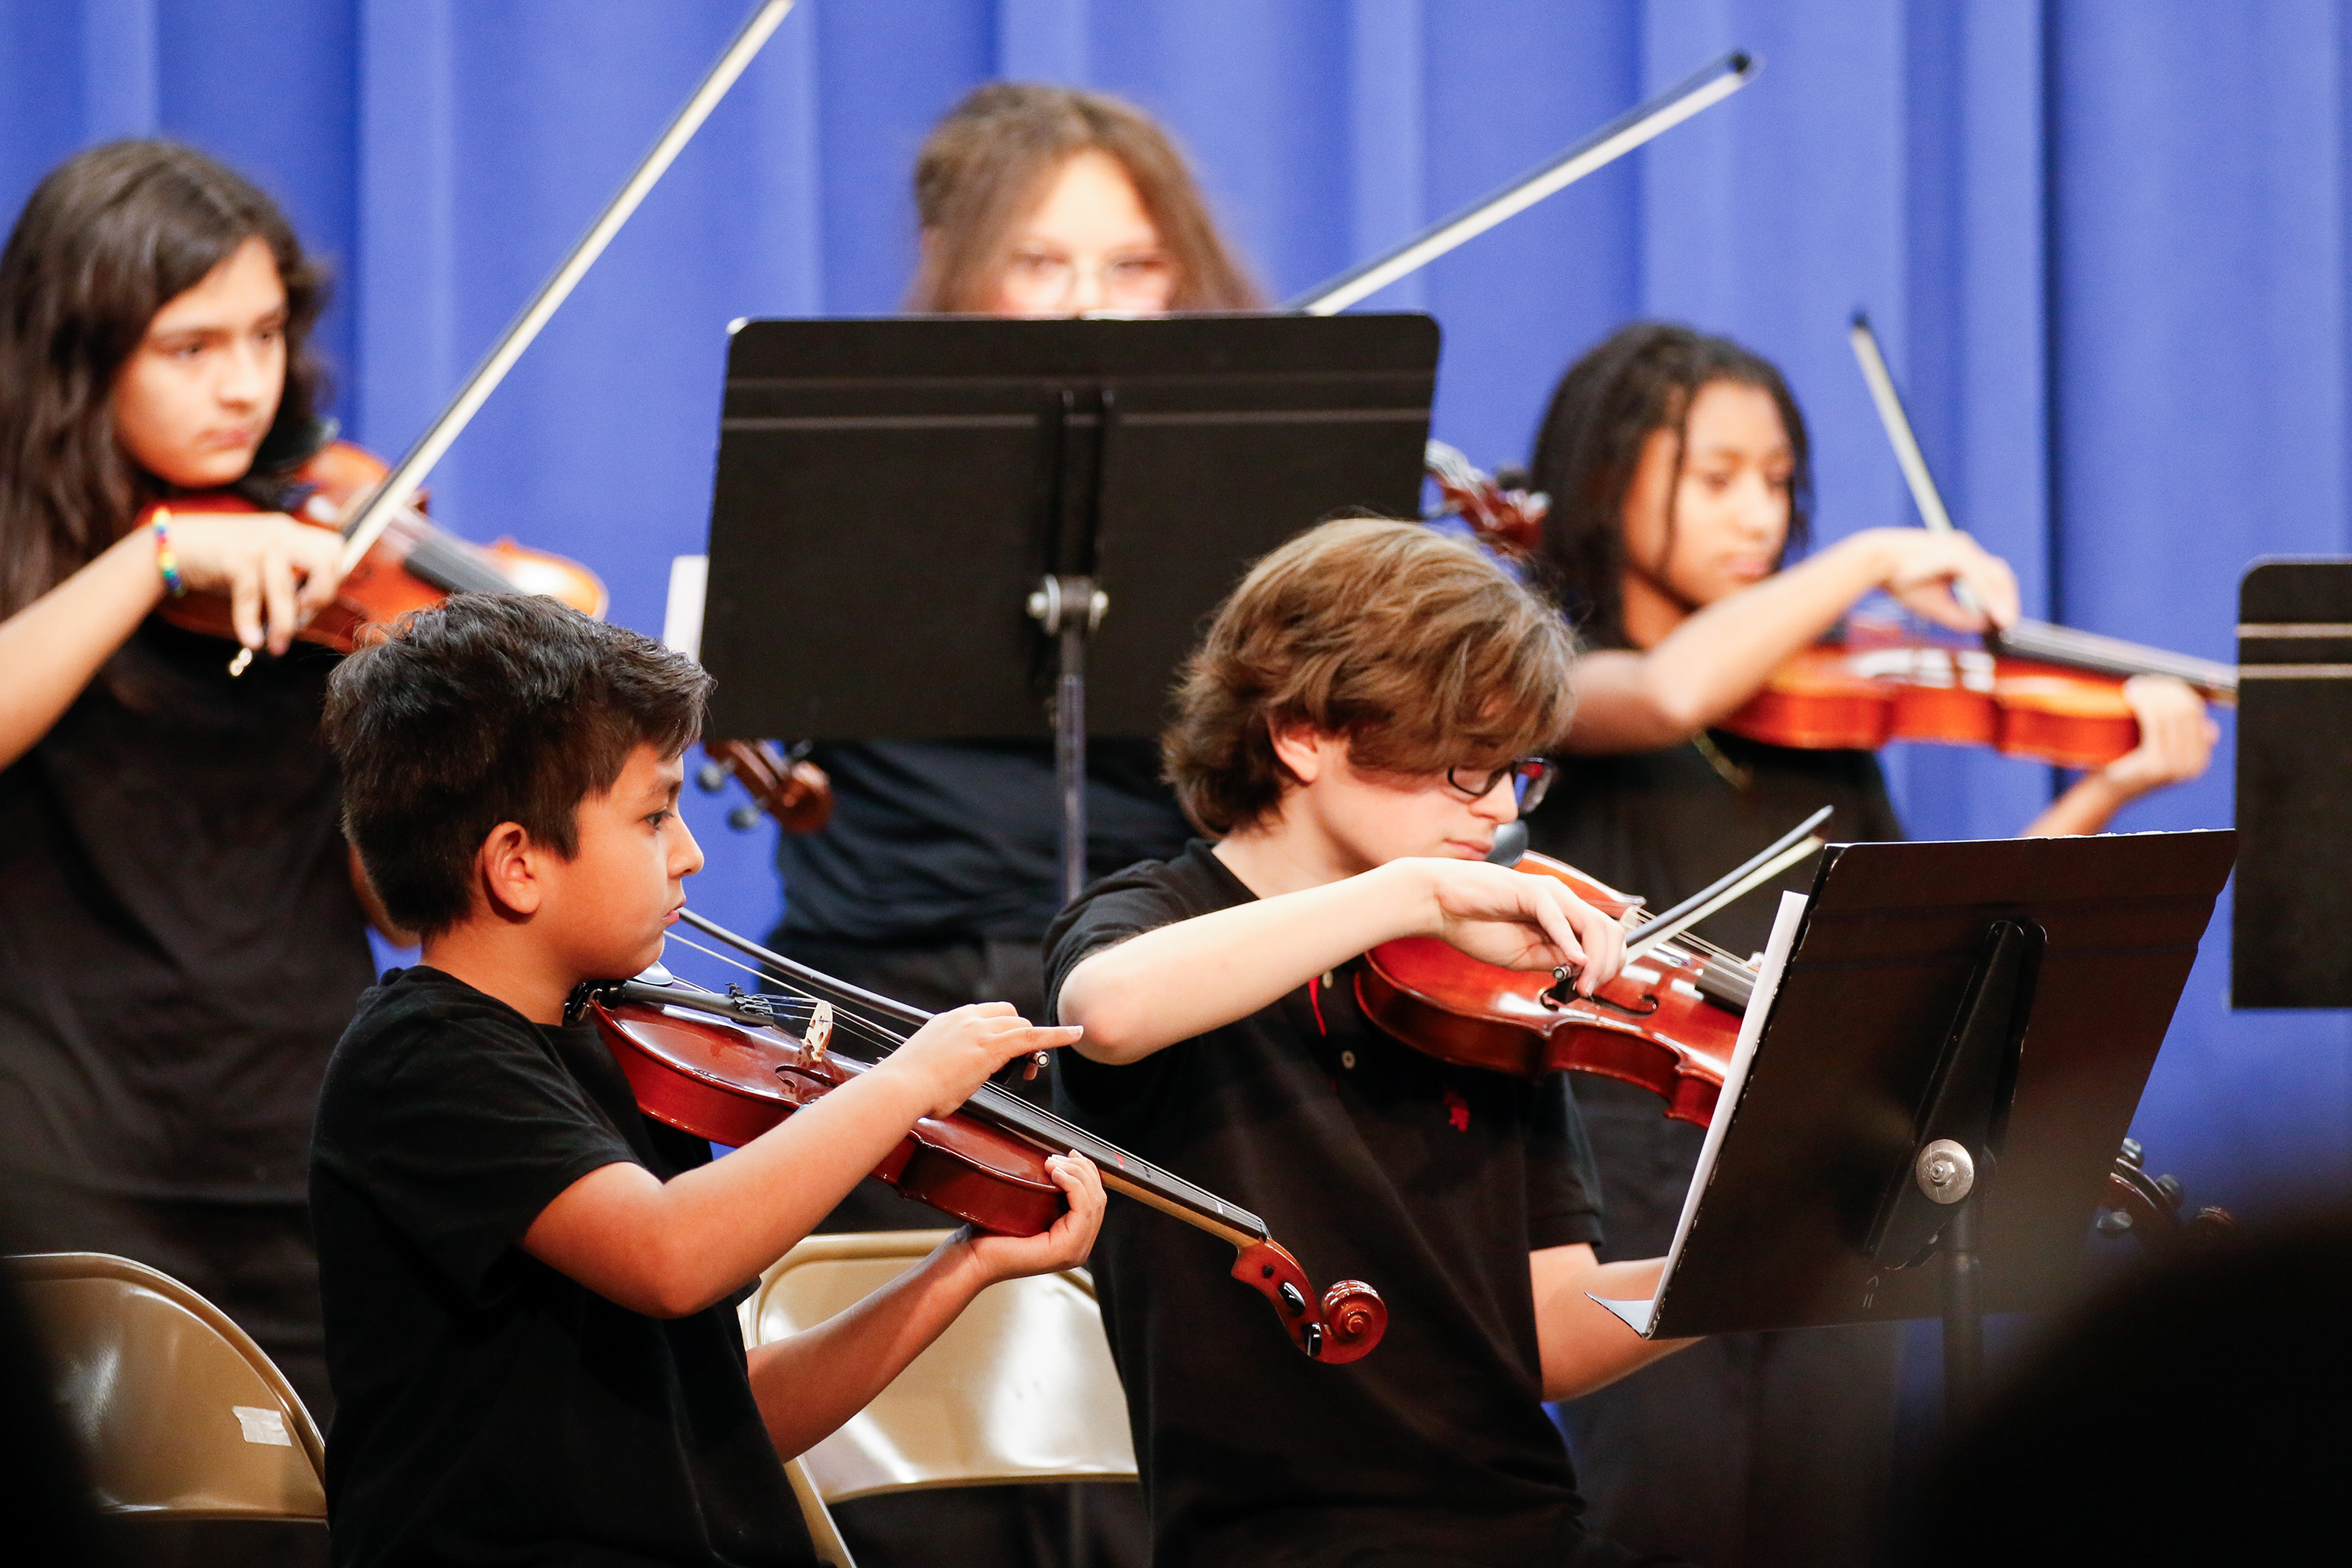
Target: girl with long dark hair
179 924
1680 479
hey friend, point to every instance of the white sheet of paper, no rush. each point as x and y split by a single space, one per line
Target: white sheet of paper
689 584
1639 1315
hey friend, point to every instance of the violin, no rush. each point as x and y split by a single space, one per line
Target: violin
413 564
1875 682
785 786
2032 690
1667 1023
729 1067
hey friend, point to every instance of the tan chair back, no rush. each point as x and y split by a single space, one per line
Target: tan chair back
1019 1388
179 1412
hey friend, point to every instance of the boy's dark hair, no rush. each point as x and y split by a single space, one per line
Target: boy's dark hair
108 238
1415 646
491 707
1643 378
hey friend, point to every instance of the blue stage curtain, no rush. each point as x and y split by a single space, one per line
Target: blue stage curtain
2104 244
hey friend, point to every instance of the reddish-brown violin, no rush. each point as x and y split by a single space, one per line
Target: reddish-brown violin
730 1068
2033 690
1667 1022
413 564
1878 681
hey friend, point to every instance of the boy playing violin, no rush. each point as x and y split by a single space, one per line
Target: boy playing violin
1351 733
529 1286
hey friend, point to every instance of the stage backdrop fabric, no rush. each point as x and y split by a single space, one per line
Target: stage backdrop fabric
2104 244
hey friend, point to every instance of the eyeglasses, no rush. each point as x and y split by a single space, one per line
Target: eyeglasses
1128 280
1529 776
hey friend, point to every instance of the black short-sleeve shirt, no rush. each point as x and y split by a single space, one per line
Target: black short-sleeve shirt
179 940
490 1408
1369 1162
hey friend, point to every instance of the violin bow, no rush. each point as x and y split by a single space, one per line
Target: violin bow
2026 639
401 485
1735 884
1703 89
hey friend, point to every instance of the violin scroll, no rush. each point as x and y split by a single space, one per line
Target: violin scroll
786 786
1341 1325
1506 517
2133 1203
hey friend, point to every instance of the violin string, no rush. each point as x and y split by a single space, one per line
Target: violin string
1707 951
855 1024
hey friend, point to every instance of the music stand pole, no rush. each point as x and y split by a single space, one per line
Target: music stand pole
1963 1315
1069 608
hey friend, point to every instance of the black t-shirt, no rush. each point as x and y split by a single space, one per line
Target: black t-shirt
488 1408
178 933
1664 824
1369 1162
934 841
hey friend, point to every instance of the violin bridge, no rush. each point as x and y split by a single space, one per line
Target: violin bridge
819 1032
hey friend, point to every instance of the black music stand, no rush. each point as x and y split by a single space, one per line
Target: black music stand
924 527
1947 1067
2294 786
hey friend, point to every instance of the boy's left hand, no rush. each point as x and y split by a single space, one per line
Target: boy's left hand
1066 1245
1507 917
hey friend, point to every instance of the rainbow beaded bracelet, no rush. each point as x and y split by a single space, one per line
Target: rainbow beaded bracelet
165 561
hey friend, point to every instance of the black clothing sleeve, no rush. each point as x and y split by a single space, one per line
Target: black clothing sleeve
1563 1183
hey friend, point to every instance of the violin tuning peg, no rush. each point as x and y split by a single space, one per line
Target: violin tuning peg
743 818
2131 1151
2113 1222
2171 1187
710 778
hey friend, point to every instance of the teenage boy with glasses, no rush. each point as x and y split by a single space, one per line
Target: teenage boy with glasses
1351 733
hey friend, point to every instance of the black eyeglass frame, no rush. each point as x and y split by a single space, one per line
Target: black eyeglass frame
1538 773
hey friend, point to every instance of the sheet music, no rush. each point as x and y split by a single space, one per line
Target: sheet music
1639 1315
689 584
